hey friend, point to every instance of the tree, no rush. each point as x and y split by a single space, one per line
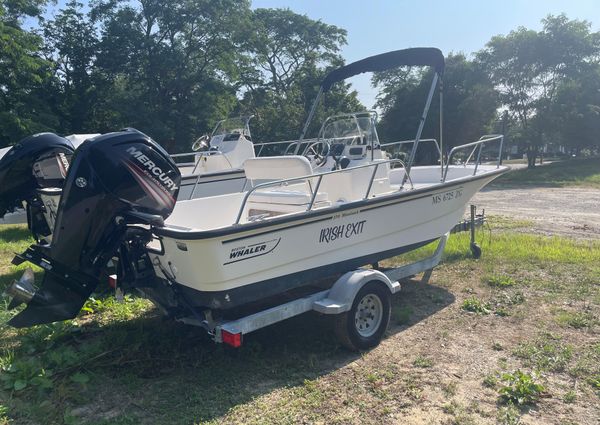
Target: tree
470 103
71 48
574 116
288 56
23 74
527 67
163 67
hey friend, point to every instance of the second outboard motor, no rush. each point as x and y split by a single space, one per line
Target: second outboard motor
115 181
35 162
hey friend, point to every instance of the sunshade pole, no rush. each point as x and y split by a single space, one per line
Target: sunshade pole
310 117
441 128
420 129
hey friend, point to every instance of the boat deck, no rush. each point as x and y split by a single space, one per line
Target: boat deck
303 193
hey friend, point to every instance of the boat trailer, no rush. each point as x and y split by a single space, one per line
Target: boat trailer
360 302
348 298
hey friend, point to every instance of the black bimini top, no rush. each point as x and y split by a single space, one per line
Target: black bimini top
418 56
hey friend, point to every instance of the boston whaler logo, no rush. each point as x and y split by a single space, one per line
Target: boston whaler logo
341 231
152 168
246 252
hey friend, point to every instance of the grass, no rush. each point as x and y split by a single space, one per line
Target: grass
547 352
573 172
423 362
517 248
120 363
500 281
576 319
475 305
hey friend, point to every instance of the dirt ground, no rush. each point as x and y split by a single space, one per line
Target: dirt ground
564 211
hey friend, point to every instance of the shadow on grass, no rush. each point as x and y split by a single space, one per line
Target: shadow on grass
11 233
169 370
8 278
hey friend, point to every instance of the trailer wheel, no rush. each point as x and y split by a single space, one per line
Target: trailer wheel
363 326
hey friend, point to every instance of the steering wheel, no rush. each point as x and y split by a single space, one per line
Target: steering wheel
291 148
202 143
317 153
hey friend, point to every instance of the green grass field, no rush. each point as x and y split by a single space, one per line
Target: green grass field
530 304
574 172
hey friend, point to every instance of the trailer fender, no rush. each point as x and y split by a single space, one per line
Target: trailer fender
341 296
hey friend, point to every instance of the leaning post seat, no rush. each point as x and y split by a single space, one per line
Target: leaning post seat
275 200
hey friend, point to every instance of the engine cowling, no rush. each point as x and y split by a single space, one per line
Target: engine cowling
114 181
38 161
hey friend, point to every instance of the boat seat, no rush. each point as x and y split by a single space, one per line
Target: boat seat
286 197
277 167
284 200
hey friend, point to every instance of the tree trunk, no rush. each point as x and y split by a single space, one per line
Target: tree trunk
531 156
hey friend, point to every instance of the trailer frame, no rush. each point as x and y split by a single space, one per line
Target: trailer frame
337 300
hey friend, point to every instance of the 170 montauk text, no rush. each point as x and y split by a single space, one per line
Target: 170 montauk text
342 231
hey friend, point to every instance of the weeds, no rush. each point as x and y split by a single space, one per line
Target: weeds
576 320
402 314
520 388
594 381
508 415
547 352
570 397
500 281
475 305
490 381
423 362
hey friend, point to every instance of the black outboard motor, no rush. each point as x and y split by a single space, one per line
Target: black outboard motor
36 162
114 182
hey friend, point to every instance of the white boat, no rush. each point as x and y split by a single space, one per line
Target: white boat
295 226
216 164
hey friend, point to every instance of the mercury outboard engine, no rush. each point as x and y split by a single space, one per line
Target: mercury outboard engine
36 163
115 182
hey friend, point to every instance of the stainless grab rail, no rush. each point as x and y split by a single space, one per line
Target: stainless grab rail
478 144
320 176
262 145
405 142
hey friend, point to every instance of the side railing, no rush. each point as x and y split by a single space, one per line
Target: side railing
314 191
177 156
260 147
407 142
477 147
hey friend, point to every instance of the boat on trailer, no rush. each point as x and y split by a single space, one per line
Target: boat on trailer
216 165
226 262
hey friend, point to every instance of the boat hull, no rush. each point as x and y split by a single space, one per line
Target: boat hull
237 267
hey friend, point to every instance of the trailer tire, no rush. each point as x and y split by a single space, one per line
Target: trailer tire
357 331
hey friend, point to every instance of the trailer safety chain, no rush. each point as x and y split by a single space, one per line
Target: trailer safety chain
174 286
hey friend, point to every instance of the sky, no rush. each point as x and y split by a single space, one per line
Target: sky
378 26
450 25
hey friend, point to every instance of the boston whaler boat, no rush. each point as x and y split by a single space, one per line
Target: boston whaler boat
223 262
216 167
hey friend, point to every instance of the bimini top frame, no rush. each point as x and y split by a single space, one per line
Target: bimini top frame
419 56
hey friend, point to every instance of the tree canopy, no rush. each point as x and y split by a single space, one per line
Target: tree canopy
173 69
